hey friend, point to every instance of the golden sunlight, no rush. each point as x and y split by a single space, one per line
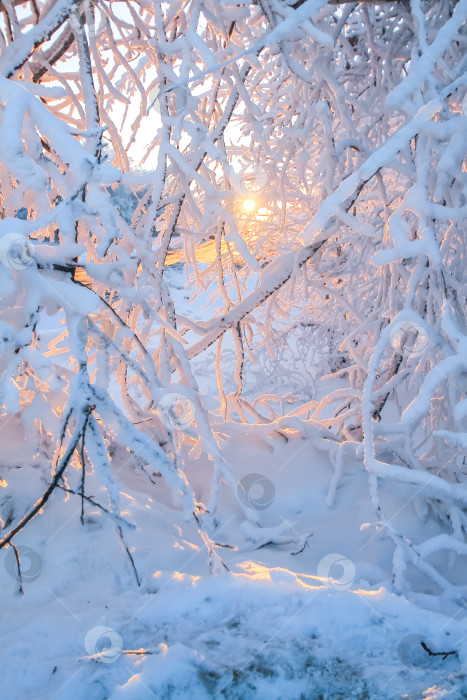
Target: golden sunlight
249 205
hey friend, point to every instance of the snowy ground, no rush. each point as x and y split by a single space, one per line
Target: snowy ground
268 628
315 617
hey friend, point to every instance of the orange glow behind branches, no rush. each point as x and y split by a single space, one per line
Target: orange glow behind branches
249 205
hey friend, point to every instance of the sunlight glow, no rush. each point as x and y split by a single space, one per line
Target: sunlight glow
249 205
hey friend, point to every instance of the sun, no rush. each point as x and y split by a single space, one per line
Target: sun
249 205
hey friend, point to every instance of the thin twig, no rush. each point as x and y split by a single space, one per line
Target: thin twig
304 545
444 654
138 581
15 549
54 483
